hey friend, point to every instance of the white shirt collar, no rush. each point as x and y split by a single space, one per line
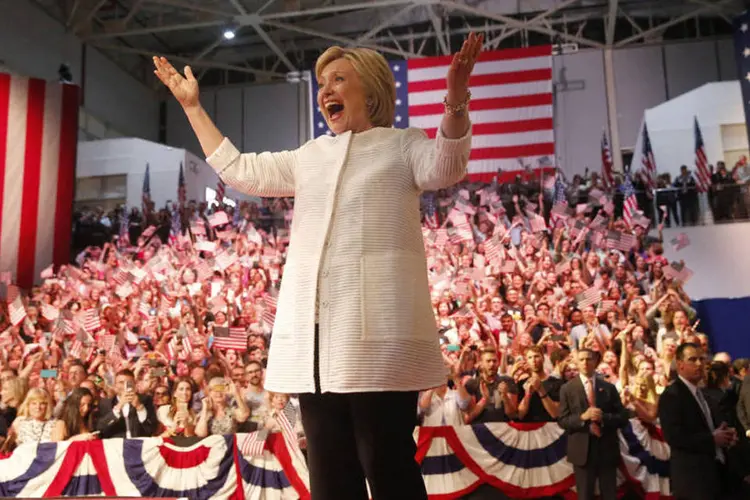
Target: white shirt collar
584 378
693 388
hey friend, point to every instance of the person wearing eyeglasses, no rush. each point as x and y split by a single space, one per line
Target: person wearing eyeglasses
161 396
255 394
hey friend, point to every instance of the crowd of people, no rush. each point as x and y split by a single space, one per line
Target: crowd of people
163 329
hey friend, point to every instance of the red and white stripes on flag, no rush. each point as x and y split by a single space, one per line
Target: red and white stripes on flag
187 348
511 107
91 321
607 178
17 311
254 444
38 138
230 338
649 163
702 175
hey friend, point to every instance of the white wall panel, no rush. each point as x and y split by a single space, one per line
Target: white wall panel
34 44
580 114
690 65
725 59
118 99
229 121
640 85
716 256
272 117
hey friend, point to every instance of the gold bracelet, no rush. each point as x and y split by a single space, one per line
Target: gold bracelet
458 108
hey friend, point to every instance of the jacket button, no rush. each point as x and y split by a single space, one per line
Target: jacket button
325 273
324 304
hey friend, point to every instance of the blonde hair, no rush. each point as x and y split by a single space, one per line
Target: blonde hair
651 394
36 394
17 388
375 75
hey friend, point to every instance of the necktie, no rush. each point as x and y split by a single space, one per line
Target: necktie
707 415
594 427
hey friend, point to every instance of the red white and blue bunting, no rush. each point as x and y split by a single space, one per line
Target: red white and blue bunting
521 460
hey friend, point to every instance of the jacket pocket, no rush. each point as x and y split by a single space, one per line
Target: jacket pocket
395 299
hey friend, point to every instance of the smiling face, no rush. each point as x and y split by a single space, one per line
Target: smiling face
342 99
183 393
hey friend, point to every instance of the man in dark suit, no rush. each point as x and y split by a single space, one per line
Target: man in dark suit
697 442
129 414
591 413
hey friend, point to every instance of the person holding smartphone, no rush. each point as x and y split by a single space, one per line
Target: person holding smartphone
218 415
177 418
128 414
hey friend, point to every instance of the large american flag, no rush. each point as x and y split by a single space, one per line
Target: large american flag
702 175
38 139
649 164
511 108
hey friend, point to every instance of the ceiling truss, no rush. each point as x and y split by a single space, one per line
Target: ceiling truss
274 37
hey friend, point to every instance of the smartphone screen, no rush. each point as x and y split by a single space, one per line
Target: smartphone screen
48 374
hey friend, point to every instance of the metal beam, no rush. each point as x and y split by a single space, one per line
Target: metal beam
335 9
611 22
187 60
676 20
340 39
89 16
133 11
389 38
526 24
237 5
265 6
72 13
156 29
437 24
450 4
272 45
718 10
209 48
194 6
631 21
385 23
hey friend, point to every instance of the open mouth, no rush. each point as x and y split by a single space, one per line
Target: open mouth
335 110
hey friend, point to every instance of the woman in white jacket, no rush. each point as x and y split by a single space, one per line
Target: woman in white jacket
354 334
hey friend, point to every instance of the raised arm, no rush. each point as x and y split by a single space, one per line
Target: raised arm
185 90
264 174
442 163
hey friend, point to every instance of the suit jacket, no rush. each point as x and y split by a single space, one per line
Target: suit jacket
111 426
356 256
573 402
693 471
743 404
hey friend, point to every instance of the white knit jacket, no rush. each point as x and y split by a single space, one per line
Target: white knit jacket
356 251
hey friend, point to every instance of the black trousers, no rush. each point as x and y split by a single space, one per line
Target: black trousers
360 435
596 469
351 437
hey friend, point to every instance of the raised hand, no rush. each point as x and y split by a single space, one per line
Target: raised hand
461 68
184 88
